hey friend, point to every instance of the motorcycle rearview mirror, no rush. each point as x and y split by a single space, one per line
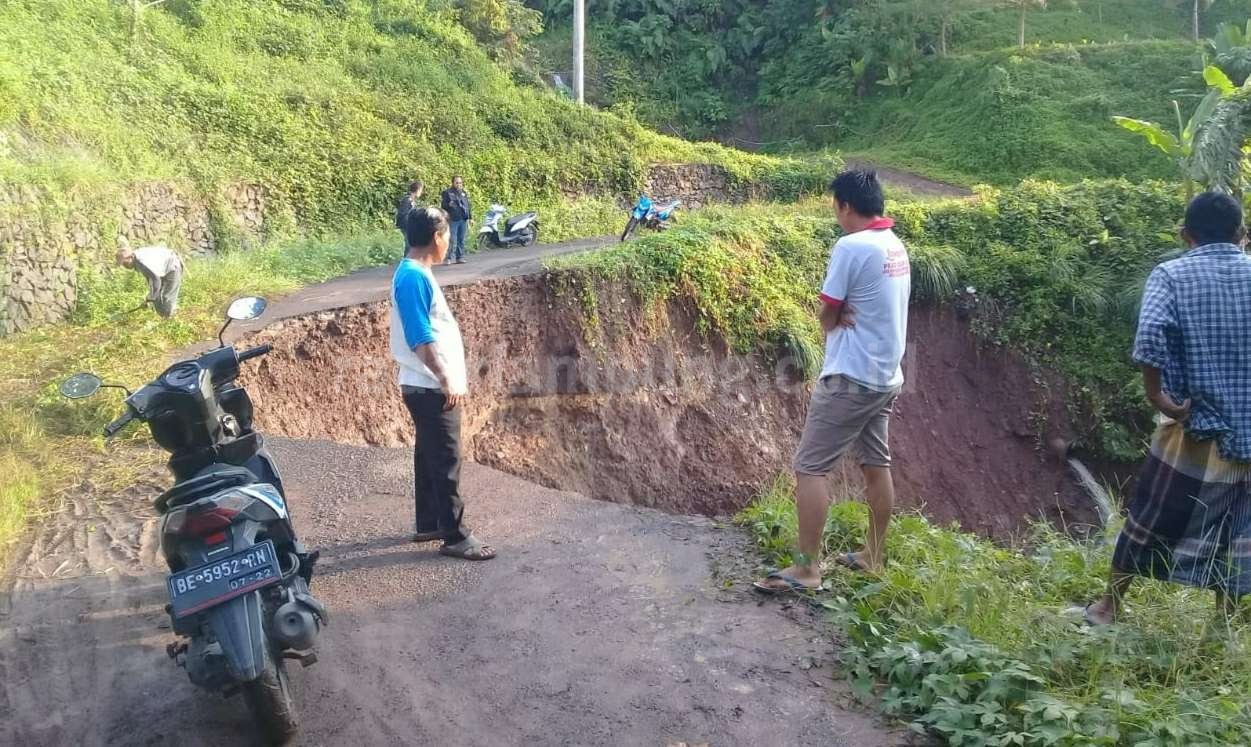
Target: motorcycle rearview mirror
83 385
80 386
241 310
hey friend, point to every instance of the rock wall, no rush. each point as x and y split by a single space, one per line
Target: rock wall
697 184
40 255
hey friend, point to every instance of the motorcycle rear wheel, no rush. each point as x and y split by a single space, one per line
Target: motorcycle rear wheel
629 229
269 699
530 235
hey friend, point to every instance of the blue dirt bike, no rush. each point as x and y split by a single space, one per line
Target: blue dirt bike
650 215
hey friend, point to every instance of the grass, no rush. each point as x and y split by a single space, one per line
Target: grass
46 442
969 640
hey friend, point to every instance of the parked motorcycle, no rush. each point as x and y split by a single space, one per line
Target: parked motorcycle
519 230
238 577
650 215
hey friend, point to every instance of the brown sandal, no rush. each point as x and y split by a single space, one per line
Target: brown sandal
468 549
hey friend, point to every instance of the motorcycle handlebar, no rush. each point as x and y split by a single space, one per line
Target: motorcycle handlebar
255 352
111 429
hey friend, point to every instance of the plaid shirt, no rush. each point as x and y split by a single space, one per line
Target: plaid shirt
1195 327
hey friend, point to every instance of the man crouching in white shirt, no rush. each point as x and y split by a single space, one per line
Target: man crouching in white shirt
864 313
162 269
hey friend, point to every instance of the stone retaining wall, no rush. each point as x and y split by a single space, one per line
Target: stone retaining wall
40 256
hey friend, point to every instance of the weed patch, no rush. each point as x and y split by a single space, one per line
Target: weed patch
970 641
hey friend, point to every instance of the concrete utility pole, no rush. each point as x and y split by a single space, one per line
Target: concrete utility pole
579 42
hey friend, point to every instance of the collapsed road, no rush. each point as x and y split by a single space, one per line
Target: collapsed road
600 624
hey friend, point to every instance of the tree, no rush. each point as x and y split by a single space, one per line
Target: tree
1181 146
1023 7
1196 11
945 13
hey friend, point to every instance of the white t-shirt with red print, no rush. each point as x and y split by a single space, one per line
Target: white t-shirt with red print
869 272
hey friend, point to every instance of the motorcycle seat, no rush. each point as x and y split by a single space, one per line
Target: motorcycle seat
513 221
212 479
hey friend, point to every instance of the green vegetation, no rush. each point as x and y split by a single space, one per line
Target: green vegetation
1058 271
880 78
969 640
47 443
331 105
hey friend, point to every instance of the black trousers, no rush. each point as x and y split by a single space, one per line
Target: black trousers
436 465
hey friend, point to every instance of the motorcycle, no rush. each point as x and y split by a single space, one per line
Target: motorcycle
239 577
519 230
650 215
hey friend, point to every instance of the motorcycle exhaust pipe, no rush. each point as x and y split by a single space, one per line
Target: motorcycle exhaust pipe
296 625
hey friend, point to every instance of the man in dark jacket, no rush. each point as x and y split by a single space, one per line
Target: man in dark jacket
406 203
456 205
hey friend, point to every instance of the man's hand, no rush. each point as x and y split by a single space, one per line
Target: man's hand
846 319
1166 405
455 396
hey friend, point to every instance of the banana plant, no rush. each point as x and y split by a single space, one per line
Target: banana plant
1180 145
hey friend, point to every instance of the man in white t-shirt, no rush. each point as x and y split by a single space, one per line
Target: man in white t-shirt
426 343
864 313
162 269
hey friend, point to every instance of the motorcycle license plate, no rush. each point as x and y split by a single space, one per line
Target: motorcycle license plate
220 581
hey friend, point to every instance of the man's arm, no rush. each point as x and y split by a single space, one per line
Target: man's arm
835 315
1159 399
1157 323
835 312
445 200
430 355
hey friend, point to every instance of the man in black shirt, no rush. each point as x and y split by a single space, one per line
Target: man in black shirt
406 203
456 205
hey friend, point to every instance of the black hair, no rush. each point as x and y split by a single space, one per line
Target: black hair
860 189
416 186
421 224
1213 218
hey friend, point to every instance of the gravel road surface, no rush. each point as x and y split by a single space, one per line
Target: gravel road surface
599 624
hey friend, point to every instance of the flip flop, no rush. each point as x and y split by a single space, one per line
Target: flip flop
468 549
851 562
1084 612
792 585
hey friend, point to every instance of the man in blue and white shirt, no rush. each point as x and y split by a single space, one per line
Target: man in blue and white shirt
1190 519
426 343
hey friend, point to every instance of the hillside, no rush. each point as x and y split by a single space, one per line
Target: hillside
873 77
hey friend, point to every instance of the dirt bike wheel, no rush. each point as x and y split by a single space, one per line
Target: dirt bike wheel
269 699
484 242
629 229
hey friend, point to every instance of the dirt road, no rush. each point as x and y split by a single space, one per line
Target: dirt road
599 624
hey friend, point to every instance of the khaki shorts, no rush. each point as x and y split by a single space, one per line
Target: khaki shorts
841 413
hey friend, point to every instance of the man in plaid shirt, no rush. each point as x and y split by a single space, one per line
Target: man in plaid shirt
1190 519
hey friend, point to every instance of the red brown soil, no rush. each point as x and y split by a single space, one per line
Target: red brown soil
646 410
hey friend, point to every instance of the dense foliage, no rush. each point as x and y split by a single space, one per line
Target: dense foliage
1058 271
871 75
972 642
332 104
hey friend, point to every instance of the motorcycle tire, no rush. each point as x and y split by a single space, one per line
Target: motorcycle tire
530 235
629 229
269 699
484 242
